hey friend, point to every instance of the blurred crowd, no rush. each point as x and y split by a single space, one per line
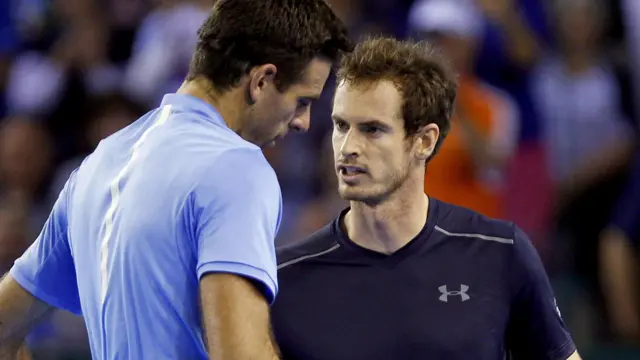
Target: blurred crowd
545 131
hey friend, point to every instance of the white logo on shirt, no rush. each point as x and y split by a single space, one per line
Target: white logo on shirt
462 293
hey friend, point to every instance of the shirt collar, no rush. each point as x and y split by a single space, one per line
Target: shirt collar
192 103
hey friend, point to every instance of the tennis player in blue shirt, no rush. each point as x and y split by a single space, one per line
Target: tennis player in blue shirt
163 238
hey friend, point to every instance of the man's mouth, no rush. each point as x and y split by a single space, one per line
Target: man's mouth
350 170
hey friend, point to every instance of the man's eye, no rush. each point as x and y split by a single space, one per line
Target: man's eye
304 102
371 129
341 125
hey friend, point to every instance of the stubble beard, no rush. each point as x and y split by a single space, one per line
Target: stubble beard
380 193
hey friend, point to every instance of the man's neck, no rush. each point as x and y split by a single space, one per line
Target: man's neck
388 226
224 103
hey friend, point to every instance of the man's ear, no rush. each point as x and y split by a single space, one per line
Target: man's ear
426 140
260 77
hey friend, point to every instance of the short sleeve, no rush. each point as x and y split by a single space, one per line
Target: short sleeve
238 208
46 269
536 329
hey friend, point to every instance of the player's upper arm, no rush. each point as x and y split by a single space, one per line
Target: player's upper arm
236 319
46 269
18 311
536 329
237 209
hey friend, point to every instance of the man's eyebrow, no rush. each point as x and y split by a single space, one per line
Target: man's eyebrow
368 122
337 118
374 122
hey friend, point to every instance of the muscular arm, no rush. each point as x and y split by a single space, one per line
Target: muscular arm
235 318
19 310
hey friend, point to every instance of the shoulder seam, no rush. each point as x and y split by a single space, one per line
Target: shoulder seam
475 236
333 247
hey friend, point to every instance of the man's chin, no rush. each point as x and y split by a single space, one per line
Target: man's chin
371 195
352 194
267 144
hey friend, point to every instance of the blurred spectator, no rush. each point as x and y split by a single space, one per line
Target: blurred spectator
469 169
370 17
588 139
163 48
25 154
515 32
123 18
56 85
618 43
620 264
578 96
8 45
509 18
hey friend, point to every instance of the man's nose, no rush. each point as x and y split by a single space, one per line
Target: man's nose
301 123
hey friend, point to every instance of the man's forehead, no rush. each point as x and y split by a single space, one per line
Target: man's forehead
367 101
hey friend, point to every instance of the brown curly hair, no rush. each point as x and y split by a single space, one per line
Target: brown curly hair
425 81
241 34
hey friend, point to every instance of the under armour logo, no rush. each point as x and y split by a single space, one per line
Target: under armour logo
462 293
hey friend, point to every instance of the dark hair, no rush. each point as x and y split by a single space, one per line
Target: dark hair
424 79
241 34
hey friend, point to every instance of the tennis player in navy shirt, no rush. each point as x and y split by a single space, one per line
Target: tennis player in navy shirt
163 239
399 274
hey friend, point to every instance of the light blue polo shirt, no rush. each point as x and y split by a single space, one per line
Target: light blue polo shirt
173 196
